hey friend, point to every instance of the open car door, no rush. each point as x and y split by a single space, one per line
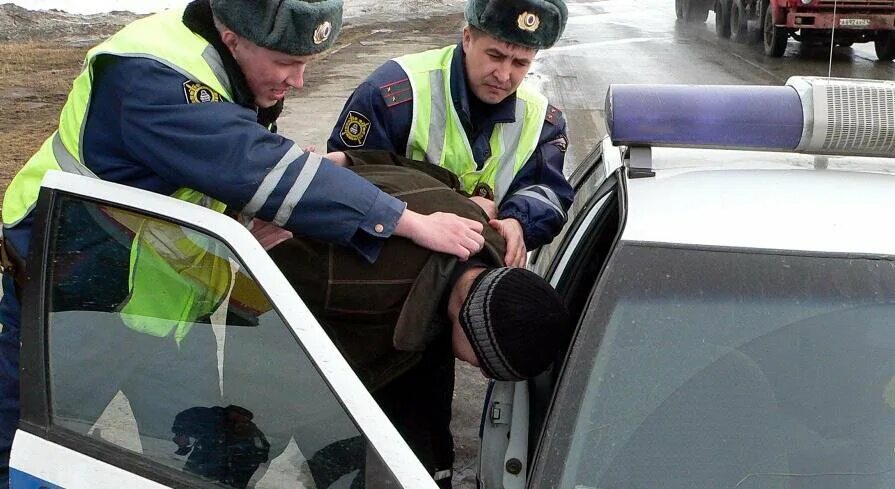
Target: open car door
161 347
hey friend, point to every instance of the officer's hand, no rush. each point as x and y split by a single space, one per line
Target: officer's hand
511 231
338 158
442 232
487 205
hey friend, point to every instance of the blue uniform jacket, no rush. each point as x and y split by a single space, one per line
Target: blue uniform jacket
539 196
143 130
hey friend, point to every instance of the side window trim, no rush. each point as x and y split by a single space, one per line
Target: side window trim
596 204
559 270
330 363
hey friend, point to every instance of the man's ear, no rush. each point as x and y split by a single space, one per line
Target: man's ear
467 38
230 39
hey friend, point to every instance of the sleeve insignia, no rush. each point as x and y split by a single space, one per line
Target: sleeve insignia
199 93
355 129
396 93
554 115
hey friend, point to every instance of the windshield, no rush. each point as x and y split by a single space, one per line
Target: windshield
731 369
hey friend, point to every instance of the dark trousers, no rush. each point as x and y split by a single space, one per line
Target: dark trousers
10 316
418 403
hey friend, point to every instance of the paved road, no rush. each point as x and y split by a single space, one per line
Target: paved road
620 41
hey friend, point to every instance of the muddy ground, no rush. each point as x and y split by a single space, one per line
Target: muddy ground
41 53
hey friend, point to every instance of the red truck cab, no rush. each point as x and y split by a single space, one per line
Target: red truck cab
841 22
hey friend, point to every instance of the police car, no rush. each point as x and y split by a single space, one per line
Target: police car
736 306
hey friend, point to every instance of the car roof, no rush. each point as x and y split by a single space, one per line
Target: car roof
767 201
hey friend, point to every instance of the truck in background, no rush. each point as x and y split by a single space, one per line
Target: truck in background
807 21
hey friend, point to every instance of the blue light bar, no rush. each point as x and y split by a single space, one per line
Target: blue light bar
817 115
768 118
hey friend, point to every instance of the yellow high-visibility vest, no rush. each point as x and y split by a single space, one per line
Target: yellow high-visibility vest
175 277
437 136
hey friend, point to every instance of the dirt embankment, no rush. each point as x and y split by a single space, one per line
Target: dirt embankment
40 55
19 24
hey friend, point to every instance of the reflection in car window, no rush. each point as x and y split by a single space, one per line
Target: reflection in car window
161 343
723 369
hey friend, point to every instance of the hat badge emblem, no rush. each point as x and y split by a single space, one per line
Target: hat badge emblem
322 32
528 21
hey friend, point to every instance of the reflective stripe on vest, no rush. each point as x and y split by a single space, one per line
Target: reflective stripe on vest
174 279
437 136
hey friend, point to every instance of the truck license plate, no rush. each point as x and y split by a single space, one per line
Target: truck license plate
854 22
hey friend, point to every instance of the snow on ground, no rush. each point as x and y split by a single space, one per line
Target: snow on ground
384 9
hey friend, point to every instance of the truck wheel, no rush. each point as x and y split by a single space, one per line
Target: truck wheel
884 43
739 27
774 37
698 12
722 18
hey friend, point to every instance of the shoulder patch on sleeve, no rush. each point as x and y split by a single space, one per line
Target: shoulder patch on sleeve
355 129
199 93
554 115
396 93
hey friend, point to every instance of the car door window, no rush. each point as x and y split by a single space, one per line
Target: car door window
163 349
587 180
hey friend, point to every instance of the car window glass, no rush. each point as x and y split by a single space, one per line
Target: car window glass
163 345
582 203
719 368
575 240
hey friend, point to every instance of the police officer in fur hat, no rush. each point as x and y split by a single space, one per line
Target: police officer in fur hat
466 108
184 103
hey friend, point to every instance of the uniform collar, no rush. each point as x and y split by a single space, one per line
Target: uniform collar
505 111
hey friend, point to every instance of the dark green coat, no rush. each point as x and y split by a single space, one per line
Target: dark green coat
383 315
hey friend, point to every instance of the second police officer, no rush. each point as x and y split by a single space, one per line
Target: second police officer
465 107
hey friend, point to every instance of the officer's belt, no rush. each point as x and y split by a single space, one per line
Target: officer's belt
12 264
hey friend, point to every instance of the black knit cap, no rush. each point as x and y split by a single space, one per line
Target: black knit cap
515 322
298 27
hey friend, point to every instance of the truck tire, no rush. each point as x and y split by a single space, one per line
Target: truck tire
739 27
722 18
774 38
884 44
698 11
